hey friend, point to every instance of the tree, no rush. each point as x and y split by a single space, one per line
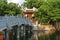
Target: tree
48 11
32 3
3 4
9 8
13 9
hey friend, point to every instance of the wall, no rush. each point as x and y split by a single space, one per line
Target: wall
1 36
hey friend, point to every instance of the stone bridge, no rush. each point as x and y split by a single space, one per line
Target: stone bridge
18 24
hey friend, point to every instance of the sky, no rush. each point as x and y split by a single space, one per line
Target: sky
16 1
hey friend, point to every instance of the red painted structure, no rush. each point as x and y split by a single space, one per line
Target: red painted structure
1 36
29 13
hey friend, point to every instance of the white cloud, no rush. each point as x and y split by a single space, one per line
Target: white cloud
16 1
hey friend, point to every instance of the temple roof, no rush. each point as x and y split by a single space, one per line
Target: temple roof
29 10
9 21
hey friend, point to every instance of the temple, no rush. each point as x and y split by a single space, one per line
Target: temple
29 13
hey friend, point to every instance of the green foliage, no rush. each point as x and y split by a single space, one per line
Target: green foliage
1 32
9 8
48 11
32 3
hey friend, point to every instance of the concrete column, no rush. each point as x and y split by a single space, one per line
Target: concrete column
6 35
18 35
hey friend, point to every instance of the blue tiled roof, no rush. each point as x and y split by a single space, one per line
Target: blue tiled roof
12 20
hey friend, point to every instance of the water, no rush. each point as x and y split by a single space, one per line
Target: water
47 36
36 35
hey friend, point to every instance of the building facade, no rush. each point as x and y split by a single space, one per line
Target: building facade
29 13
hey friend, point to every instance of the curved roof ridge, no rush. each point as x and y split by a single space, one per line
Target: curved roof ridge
13 20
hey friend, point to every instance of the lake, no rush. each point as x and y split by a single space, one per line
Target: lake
46 36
